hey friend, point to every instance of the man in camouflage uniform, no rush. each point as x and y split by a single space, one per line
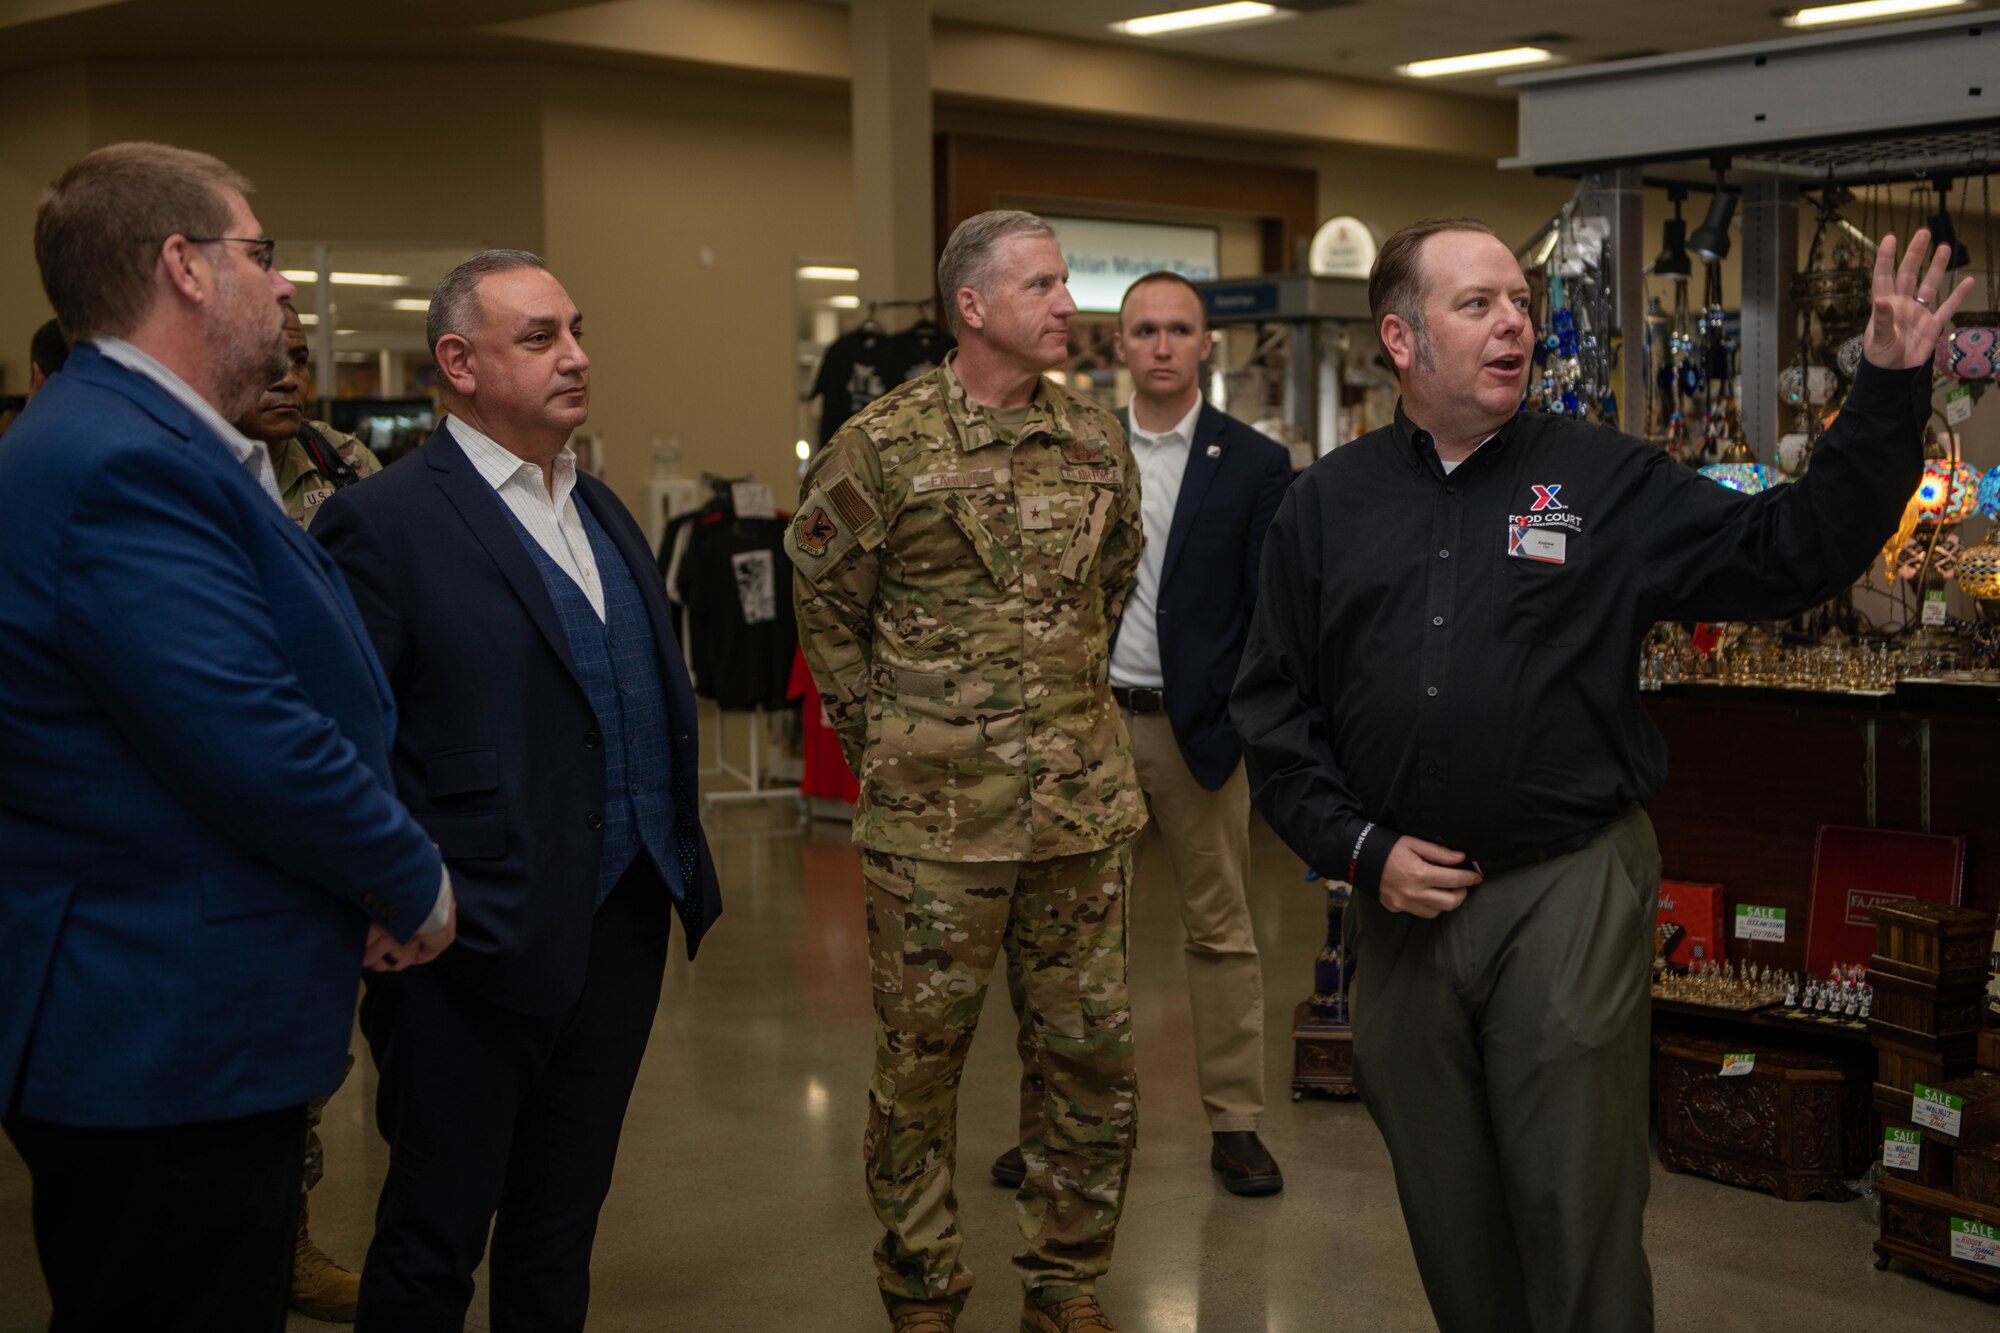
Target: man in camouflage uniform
962 551
302 451
320 1287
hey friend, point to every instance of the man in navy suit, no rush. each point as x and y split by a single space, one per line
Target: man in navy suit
548 744
199 842
1209 486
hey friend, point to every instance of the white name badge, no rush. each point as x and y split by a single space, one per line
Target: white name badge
1548 545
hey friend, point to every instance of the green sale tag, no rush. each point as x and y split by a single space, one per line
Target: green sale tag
1760 923
1975 1242
1934 1108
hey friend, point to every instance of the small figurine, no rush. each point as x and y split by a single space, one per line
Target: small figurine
1791 992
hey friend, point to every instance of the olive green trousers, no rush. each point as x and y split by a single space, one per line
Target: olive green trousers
1502 1048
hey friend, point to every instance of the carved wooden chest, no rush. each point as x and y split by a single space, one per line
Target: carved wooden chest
1949 1238
1975 1177
1931 942
1797 1125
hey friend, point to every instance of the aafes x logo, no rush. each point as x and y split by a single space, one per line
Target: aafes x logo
1545 510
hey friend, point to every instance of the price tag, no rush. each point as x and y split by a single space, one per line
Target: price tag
1975 1242
1760 923
1937 1110
752 500
1958 405
1934 606
1902 1149
1734 1065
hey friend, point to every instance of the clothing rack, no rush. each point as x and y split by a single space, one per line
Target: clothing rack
752 777
926 308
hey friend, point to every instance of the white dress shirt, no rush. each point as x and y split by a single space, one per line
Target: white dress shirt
248 452
1162 461
552 520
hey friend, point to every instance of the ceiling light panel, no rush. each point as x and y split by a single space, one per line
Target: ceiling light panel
1208 17
1863 10
1478 62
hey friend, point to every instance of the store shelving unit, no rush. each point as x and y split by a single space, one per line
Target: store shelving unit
1865 106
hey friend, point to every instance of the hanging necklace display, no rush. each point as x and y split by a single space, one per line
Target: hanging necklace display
1969 351
1715 352
1831 292
1574 359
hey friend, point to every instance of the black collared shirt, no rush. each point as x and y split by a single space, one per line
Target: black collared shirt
1456 656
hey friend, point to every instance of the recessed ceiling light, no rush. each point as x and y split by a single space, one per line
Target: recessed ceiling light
1188 20
346 279
412 304
829 273
1475 63
1863 9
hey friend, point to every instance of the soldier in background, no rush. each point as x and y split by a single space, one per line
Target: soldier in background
312 459
47 351
962 552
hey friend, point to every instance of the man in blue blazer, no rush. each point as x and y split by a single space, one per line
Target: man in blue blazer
548 744
1209 486
199 841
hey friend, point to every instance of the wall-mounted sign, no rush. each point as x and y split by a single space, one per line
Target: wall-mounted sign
1105 257
1343 247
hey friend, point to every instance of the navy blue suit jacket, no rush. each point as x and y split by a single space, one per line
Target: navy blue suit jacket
1208 588
196 817
498 753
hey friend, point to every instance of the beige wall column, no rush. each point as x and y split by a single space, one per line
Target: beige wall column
893 204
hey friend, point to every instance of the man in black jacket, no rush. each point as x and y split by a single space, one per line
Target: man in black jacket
1440 703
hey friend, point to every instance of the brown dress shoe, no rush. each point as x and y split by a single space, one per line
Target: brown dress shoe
1010 1169
1246 1165
1078 1314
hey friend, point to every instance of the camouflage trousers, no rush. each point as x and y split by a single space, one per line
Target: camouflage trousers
935 931
315 1150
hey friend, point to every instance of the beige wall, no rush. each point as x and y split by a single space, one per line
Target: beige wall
344 153
44 126
676 210
672 205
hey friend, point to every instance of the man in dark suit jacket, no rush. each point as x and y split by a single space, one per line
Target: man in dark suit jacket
1209 486
548 745
199 842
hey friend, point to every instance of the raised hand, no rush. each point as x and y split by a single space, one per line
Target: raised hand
1908 315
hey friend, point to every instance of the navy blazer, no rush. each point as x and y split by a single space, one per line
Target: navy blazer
1230 492
498 753
196 818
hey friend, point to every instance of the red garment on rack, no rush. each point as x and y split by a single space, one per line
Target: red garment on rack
826 770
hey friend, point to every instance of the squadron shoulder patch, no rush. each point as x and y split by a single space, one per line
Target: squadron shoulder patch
812 531
834 519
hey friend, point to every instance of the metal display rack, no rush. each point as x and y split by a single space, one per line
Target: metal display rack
1874 105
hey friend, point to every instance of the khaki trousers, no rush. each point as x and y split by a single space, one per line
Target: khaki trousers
1207 836
1502 1050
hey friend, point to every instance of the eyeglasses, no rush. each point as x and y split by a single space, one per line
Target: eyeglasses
262 248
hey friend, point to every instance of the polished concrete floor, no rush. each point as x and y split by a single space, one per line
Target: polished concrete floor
738 1200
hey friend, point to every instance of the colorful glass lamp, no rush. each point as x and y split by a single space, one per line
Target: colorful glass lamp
1749 478
1988 498
1948 493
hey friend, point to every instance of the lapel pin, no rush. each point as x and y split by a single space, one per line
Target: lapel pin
1215 451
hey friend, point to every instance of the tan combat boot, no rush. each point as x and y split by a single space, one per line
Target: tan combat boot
915 1318
1078 1314
321 1288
